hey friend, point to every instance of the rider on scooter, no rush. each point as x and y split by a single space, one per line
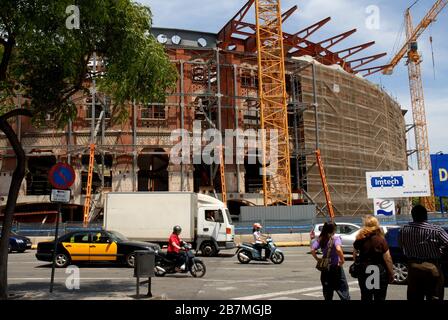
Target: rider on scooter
260 241
174 249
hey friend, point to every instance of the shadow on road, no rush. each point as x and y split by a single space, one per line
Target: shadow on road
94 265
88 289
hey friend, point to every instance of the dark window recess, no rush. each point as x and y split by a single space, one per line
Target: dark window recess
153 112
254 179
152 181
249 81
37 183
100 105
96 182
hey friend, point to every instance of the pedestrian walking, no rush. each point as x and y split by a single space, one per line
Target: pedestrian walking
371 254
332 274
423 244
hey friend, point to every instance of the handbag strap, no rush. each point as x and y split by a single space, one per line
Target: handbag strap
329 247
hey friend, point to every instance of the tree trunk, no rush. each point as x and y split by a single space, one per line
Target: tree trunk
17 178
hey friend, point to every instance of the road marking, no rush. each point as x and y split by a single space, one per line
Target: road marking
226 289
318 294
82 279
282 293
284 298
248 268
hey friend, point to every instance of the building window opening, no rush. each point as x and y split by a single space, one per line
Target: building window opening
153 112
101 104
37 183
153 170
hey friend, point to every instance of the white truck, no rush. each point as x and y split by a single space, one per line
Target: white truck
151 216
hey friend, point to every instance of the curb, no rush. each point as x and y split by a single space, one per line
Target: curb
293 244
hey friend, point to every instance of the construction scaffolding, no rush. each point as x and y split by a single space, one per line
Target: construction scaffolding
355 124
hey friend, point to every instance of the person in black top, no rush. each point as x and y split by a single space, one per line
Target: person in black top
423 245
371 249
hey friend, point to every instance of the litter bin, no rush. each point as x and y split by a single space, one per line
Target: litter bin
144 263
144 268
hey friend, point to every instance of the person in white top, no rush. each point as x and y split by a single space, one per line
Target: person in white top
259 241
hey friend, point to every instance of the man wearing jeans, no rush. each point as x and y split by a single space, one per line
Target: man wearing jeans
423 245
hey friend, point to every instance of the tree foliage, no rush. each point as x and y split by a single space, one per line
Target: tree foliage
49 61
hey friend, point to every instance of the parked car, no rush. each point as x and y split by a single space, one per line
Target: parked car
399 260
347 232
92 246
18 243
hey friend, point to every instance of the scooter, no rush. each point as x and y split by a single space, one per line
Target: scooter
247 252
194 265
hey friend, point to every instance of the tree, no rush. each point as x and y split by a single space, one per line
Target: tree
46 61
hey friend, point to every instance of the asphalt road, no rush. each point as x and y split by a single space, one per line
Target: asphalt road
226 278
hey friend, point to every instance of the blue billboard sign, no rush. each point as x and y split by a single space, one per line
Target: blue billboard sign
439 164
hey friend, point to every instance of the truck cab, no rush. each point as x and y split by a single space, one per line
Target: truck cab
214 228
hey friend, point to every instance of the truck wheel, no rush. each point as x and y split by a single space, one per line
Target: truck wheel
208 249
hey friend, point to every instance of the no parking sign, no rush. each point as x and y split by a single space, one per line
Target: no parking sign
61 176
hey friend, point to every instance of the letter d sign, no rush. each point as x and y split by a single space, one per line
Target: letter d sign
443 175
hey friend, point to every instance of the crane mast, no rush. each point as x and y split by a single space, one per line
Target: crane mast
410 48
419 110
273 103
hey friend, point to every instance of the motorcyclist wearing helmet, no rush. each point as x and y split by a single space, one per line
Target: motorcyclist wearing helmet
174 248
259 239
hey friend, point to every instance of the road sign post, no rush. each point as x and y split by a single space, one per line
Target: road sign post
53 266
61 176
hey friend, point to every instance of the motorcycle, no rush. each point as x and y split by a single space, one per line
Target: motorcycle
247 252
193 265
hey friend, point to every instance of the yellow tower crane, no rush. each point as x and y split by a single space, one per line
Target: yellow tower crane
410 48
273 103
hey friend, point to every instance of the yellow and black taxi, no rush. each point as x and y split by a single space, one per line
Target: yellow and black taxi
92 246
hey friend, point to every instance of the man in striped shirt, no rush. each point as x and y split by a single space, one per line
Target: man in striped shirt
423 246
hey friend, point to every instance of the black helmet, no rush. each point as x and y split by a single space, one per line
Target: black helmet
177 229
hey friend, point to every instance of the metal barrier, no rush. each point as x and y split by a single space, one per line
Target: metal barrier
305 225
48 229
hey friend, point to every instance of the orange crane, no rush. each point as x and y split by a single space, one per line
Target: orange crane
273 102
223 175
325 185
410 48
88 199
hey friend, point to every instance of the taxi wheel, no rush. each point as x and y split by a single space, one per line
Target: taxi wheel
130 260
62 260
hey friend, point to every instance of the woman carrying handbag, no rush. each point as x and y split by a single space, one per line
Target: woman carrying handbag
371 249
332 274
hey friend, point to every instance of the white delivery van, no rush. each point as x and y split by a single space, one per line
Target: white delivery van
151 216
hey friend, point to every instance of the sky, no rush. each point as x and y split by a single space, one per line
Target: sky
387 31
